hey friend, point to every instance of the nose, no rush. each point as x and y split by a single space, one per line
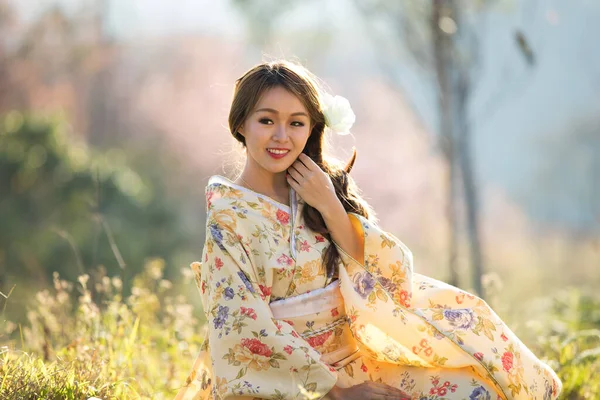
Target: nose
280 134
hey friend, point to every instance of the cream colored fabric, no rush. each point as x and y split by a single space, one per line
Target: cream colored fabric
275 333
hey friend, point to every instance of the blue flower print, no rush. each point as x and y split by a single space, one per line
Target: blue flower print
222 314
549 391
461 318
216 232
228 293
388 284
246 281
480 394
364 284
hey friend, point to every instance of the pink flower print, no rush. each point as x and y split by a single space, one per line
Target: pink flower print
503 336
283 217
318 340
507 361
257 347
403 297
478 356
304 246
428 350
278 325
218 263
285 260
319 238
249 312
266 291
364 368
288 349
209 197
334 312
289 322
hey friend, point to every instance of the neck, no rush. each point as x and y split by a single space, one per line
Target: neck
265 182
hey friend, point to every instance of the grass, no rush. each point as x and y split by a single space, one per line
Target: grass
569 338
86 339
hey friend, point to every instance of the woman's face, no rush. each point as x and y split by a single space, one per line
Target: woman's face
279 121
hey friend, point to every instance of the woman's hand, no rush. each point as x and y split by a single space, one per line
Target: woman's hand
312 183
367 391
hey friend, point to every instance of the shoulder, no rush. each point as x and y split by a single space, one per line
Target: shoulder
220 192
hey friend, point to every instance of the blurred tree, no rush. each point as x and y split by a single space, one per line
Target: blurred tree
260 17
571 172
66 208
62 61
262 20
443 37
66 61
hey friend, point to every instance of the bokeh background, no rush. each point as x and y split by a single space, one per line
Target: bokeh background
478 139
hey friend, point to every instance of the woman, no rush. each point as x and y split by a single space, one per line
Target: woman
305 296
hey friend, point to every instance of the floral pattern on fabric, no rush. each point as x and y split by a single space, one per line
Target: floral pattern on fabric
389 325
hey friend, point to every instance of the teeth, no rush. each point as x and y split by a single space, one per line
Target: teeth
277 151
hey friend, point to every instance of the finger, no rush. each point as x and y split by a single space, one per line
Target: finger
307 161
386 389
295 174
300 167
294 168
293 183
384 396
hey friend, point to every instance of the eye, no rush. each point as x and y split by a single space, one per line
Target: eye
267 121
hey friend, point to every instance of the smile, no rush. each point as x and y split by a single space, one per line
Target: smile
277 153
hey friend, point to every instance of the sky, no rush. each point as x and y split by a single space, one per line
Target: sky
514 108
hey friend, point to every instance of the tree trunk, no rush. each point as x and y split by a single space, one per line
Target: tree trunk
441 49
461 86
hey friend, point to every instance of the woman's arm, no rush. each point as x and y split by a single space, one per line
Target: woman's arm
250 353
342 230
317 190
367 390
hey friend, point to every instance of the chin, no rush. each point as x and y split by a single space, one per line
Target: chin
278 170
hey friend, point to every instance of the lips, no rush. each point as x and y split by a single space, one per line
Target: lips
278 156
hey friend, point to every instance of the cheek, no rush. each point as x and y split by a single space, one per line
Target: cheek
256 133
301 136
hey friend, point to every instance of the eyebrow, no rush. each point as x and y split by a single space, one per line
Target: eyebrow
277 112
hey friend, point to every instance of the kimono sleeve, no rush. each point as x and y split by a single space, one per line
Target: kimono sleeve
402 317
252 354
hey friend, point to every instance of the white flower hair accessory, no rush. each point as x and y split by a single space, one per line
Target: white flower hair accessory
339 116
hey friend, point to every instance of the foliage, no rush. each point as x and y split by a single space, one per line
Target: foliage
65 205
570 338
103 344
86 339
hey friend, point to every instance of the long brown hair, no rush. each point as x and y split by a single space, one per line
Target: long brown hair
300 82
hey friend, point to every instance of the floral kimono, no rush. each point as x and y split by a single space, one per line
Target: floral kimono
279 329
